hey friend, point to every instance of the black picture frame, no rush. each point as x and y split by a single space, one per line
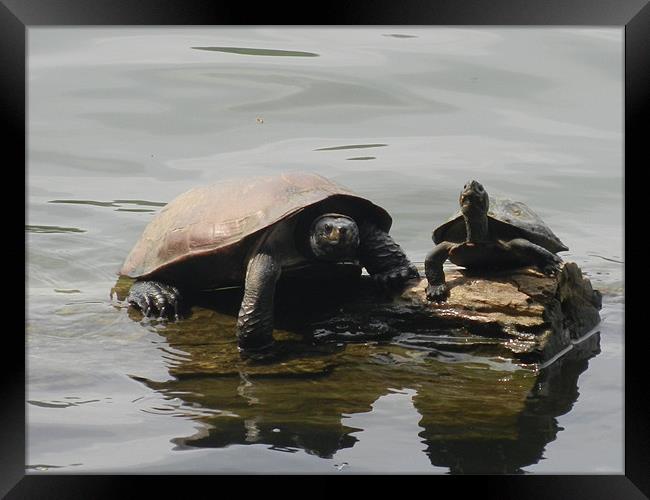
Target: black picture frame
16 16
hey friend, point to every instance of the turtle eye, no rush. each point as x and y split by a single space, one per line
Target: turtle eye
328 227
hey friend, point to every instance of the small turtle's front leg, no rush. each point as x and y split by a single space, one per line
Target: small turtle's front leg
154 298
255 320
546 261
384 259
437 290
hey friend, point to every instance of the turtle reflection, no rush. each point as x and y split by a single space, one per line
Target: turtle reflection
478 414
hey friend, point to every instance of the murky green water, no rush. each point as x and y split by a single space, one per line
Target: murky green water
123 120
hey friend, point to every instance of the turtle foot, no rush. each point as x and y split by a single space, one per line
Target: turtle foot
437 293
155 299
256 352
396 278
552 265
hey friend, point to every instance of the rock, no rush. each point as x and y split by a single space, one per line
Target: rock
521 313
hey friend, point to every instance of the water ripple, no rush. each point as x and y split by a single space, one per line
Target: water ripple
53 229
259 52
351 146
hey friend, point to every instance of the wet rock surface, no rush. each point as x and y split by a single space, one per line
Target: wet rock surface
520 313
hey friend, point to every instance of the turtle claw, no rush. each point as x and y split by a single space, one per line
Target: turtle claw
155 299
141 303
552 266
551 270
437 293
395 279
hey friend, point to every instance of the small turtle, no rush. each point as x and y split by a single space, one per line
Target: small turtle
249 232
488 234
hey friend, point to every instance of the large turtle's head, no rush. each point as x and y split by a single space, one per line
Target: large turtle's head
474 200
334 237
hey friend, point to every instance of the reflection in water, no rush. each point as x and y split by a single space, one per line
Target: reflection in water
475 414
474 421
518 440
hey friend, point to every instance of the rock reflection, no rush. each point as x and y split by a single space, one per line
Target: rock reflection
508 444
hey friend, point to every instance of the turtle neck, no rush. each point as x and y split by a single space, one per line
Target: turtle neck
476 228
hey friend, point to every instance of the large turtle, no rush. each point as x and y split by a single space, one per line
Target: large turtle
251 231
490 234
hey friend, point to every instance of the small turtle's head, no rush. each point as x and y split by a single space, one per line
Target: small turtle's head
334 237
474 200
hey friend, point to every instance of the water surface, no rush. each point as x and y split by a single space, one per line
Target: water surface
123 120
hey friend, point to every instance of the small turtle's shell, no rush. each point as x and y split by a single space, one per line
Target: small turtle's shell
212 227
506 220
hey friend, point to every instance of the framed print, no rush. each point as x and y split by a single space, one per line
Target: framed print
182 163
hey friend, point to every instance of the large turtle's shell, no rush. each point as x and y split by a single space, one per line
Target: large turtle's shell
213 226
506 220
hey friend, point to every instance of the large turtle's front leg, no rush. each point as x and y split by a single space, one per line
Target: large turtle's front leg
437 290
546 261
384 259
255 321
155 298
